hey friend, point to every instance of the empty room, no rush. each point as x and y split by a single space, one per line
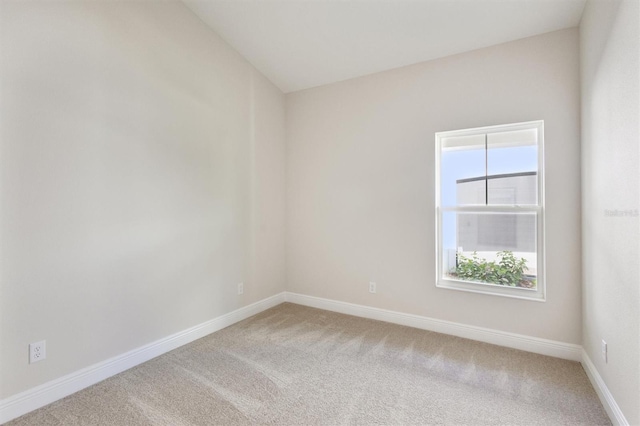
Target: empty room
319 212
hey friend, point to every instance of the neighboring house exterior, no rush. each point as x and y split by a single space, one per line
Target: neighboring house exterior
488 234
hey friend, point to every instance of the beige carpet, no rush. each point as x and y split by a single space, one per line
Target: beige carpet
293 365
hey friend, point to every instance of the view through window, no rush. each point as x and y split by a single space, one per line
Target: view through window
489 210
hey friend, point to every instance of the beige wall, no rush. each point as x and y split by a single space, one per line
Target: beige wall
610 52
360 181
142 178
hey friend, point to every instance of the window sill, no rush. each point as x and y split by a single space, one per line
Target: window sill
536 295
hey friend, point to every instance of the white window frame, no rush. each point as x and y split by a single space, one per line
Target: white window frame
444 281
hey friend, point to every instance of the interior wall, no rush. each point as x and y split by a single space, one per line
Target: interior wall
360 181
610 64
142 178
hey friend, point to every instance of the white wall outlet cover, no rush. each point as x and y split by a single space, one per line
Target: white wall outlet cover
240 288
37 351
372 287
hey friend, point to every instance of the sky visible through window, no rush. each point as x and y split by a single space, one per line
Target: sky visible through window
470 163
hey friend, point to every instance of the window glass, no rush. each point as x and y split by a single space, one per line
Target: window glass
489 211
462 159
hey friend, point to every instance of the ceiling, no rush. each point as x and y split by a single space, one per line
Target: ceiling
299 44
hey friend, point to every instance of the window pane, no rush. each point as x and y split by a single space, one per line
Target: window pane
512 165
496 248
462 171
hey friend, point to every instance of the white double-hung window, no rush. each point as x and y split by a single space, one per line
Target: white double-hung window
490 210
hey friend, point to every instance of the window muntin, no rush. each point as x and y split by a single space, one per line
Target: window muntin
489 202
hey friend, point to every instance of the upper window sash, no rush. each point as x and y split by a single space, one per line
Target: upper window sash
482 151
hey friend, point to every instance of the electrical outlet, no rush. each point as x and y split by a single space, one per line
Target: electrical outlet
372 287
37 351
240 288
604 351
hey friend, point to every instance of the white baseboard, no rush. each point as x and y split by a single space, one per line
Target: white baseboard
37 397
510 340
54 390
610 404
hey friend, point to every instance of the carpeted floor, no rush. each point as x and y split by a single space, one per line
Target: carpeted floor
293 365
